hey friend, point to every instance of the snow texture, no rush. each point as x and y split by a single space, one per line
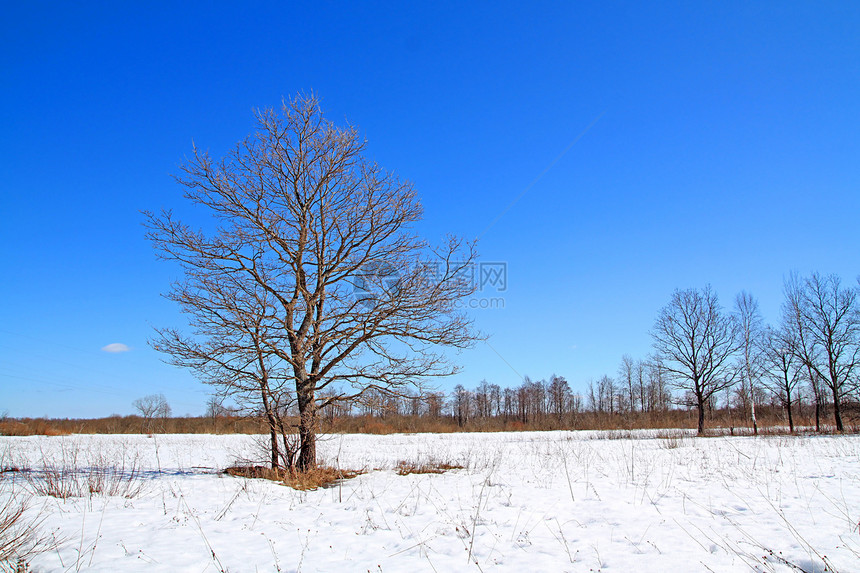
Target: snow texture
539 501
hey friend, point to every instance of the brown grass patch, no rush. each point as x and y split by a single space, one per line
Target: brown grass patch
321 476
14 429
405 468
30 428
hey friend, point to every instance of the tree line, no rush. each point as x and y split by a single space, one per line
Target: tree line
815 347
704 358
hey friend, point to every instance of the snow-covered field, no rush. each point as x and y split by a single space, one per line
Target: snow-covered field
549 501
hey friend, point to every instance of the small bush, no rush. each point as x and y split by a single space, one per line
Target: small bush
405 468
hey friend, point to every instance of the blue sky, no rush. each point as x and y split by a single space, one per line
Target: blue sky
724 148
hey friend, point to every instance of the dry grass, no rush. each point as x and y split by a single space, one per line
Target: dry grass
20 539
256 472
131 425
65 483
826 430
405 468
671 440
69 476
319 477
30 428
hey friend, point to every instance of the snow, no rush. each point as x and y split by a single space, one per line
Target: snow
538 501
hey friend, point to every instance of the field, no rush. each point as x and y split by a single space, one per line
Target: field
536 501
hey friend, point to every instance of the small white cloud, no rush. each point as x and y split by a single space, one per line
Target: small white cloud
116 347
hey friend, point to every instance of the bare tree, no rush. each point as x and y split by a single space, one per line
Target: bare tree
510 399
462 404
627 377
751 332
659 396
533 400
781 368
825 319
608 393
435 403
482 400
641 372
495 399
151 407
559 393
694 342
308 222
801 338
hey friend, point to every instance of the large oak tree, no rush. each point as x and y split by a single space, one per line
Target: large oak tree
313 270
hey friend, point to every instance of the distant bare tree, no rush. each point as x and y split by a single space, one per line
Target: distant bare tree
608 393
435 403
576 404
825 321
751 332
694 342
482 400
215 408
415 402
152 407
641 373
782 368
559 393
602 398
801 338
533 401
627 378
659 396
462 404
510 403
308 222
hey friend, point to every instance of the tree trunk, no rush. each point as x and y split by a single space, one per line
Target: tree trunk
790 419
270 418
817 414
274 440
701 408
308 453
817 392
307 430
837 411
752 408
